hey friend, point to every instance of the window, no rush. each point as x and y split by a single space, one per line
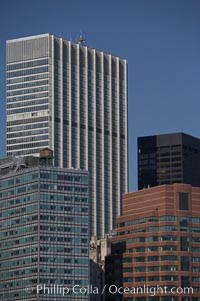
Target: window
139 259
153 278
169 257
152 248
169 278
183 201
185 263
184 243
185 281
139 239
168 248
153 258
139 269
172 268
152 238
168 218
153 269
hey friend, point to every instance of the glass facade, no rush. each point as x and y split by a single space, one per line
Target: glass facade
44 232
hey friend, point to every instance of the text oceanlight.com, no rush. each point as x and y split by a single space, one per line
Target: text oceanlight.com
110 289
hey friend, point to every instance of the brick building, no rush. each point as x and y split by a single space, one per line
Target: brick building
157 244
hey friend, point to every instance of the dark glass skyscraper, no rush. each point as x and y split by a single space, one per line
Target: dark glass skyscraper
72 99
168 159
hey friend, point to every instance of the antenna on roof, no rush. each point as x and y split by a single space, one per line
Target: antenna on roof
81 39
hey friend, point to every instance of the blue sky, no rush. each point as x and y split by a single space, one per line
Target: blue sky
160 39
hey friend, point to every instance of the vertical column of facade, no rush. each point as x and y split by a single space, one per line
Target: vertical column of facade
78 106
91 136
65 101
74 105
117 188
94 176
102 195
51 87
126 127
69 97
61 102
57 103
110 197
123 127
86 104
39 230
83 107
115 137
105 133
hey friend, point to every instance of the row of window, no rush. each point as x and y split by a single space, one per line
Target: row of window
28 85
33 121
63 188
29 64
71 229
156 219
148 219
19 241
28 96
22 128
27 78
151 239
29 146
20 231
162 238
141 269
27 91
152 249
63 177
28 139
31 271
17 211
63 239
19 180
19 190
62 208
18 262
61 249
161 229
151 229
20 220
60 218
60 197
19 200
151 258
27 72
28 133
27 103
162 258
151 278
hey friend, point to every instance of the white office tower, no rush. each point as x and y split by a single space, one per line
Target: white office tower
73 100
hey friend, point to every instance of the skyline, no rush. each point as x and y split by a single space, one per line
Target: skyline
163 56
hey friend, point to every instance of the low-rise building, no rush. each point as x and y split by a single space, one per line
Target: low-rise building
155 255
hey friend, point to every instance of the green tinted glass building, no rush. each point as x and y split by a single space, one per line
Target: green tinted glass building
44 234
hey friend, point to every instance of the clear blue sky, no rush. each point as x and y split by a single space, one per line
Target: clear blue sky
160 39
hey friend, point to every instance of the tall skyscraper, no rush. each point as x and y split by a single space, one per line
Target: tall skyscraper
72 99
168 159
44 232
157 246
